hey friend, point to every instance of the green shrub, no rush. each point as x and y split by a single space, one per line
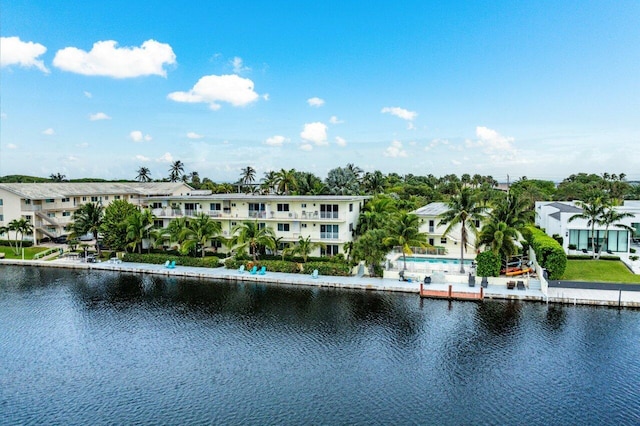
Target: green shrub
572 246
488 264
323 267
549 252
159 259
341 269
13 243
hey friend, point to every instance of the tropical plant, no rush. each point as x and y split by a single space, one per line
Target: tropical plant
175 230
114 224
144 175
342 181
88 219
248 176
253 235
612 217
20 228
199 231
592 210
176 171
404 231
500 238
304 247
57 177
462 213
139 225
286 181
376 213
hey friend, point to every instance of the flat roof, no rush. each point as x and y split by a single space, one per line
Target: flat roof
36 191
251 197
432 209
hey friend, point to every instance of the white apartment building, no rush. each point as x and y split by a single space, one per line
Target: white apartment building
553 217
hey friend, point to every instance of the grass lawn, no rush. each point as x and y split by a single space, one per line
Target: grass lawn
600 271
29 252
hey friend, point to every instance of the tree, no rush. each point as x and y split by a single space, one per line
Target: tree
57 177
404 231
286 181
500 238
373 183
144 175
248 176
342 181
88 219
304 247
592 210
176 171
612 217
463 212
253 236
138 228
114 224
20 228
175 230
371 249
376 213
199 231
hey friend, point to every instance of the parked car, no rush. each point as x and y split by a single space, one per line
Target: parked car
86 237
62 239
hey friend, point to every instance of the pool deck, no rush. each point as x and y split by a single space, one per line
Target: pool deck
280 278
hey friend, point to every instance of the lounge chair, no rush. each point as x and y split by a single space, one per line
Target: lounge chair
167 264
254 270
511 285
262 270
314 274
520 285
485 282
241 269
172 265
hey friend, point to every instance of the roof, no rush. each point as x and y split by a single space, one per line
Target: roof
250 197
563 208
432 209
37 191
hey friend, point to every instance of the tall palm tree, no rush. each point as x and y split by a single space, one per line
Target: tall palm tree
463 211
88 219
20 227
253 236
500 238
592 210
269 181
176 171
612 217
139 225
248 176
304 247
175 230
376 213
373 183
286 181
144 175
404 231
200 230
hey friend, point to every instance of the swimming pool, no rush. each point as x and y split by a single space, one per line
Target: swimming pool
433 260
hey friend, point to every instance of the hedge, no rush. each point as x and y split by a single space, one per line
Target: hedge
159 259
549 253
25 243
324 267
488 264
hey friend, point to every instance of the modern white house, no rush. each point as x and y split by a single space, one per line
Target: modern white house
554 218
326 219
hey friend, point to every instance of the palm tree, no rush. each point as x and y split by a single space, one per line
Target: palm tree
175 230
286 181
199 231
404 231
138 227
304 247
20 227
463 212
248 176
176 171
57 177
373 183
144 175
592 210
500 238
376 213
253 236
612 217
88 218
269 181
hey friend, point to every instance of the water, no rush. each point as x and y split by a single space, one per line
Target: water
83 347
439 260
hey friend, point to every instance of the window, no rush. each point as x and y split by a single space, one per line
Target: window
256 210
65 200
329 232
432 242
329 250
66 214
283 227
106 197
49 200
303 205
351 227
350 207
215 206
156 205
27 201
283 207
431 226
262 225
28 217
233 204
158 223
0 201
117 197
132 196
84 198
443 241
304 225
51 214
616 240
328 211
1 218
94 199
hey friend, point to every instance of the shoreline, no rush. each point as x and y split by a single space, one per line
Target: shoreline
492 292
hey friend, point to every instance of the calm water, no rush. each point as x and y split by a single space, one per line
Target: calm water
100 348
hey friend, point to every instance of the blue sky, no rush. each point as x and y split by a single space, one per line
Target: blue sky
539 89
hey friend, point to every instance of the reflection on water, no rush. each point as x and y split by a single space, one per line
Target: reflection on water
81 347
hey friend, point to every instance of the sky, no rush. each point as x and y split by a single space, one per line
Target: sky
540 89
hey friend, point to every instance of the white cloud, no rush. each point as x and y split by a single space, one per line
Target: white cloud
12 146
315 102
138 136
109 60
49 131
265 96
395 150
14 51
276 140
88 94
335 120
238 66
341 141
400 112
306 147
493 144
165 158
99 116
194 135
315 132
143 158
212 89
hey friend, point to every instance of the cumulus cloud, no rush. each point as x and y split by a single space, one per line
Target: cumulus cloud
138 136
306 147
142 158
108 60
99 116
493 144
238 65
276 140
12 146
395 150
165 158
49 132
212 89
335 120
194 135
400 113
341 141
315 132
315 102
14 51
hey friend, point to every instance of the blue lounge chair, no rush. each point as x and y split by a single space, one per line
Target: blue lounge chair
262 270
172 265
254 270
167 264
314 274
241 269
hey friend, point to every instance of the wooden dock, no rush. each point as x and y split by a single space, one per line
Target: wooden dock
450 294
